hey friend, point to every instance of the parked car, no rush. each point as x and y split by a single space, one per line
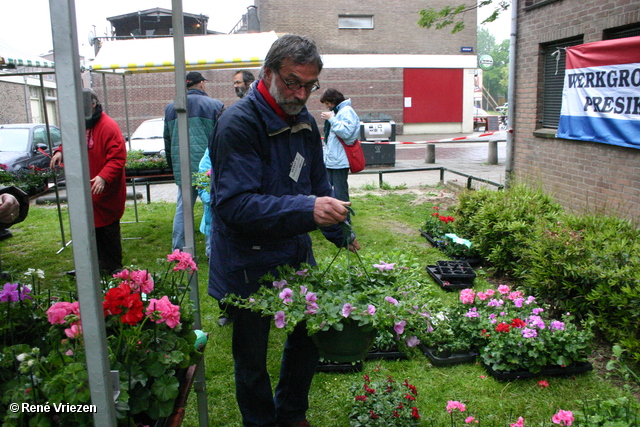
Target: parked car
148 137
503 109
24 146
480 118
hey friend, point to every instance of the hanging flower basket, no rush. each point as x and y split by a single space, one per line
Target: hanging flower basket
351 344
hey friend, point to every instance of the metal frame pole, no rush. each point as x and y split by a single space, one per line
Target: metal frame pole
180 104
85 254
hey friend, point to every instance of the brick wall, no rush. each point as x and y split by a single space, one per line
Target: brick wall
395 26
583 176
371 91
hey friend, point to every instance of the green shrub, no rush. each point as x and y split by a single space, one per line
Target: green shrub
497 222
588 265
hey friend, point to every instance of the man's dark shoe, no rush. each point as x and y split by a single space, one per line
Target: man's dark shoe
71 273
224 321
303 423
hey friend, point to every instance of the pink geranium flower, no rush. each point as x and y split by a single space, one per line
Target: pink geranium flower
454 404
564 418
162 310
74 331
57 312
467 296
519 423
184 259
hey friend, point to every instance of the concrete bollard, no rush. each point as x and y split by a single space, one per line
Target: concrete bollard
492 157
430 157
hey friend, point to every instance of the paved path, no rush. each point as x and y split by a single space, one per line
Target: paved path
468 156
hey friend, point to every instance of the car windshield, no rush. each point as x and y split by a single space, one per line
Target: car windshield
14 139
149 129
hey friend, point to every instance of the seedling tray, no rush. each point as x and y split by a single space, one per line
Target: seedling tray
445 284
326 366
456 271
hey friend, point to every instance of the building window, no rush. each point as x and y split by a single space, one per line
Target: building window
532 4
554 63
357 22
622 32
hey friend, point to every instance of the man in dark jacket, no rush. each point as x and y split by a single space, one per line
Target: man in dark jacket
202 112
269 189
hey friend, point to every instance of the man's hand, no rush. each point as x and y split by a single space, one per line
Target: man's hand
328 211
98 184
56 159
9 208
354 246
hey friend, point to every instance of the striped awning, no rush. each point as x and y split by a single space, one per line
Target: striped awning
201 53
12 57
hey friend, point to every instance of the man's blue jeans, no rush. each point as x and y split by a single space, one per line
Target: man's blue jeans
253 384
177 239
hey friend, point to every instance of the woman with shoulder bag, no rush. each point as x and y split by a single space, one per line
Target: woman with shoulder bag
342 122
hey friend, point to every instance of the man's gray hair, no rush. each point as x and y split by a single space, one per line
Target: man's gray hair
299 49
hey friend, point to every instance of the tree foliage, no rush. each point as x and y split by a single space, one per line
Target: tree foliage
454 15
495 79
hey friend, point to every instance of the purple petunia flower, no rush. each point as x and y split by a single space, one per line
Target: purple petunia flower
279 319
285 295
412 341
280 284
537 322
399 327
529 333
556 325
384 266
347 309
371 309
472 313
391 300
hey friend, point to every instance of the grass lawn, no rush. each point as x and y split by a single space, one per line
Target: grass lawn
384 223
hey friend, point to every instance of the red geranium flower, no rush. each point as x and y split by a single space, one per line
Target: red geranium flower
503 327
518 323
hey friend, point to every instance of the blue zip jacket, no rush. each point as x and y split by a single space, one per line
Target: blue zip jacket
261 216
202 112
346 125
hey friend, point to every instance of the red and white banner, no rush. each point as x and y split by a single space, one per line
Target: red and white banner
601 95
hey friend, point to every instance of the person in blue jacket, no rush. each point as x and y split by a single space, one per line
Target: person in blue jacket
269 190
342 122
202 112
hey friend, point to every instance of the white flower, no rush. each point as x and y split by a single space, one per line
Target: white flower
21 357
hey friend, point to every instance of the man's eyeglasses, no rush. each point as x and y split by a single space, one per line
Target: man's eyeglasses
311 87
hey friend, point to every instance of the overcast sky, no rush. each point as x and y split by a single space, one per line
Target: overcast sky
26 24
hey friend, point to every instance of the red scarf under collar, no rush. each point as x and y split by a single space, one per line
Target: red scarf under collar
262 88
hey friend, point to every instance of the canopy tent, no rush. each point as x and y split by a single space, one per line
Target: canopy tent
200 53
11 57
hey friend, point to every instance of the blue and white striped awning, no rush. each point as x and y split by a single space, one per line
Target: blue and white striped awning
201 53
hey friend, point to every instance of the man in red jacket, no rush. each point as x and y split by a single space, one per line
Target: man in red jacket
107 156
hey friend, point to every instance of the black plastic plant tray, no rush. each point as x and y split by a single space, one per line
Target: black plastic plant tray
392 354
326 366
445 284
456 271
552 371
453 359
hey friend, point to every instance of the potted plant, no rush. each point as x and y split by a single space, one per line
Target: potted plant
516 337
139 164
384 403
436 226
149 337
345 302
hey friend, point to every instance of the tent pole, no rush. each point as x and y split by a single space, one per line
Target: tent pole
55 177
126 115
85 254
180 104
